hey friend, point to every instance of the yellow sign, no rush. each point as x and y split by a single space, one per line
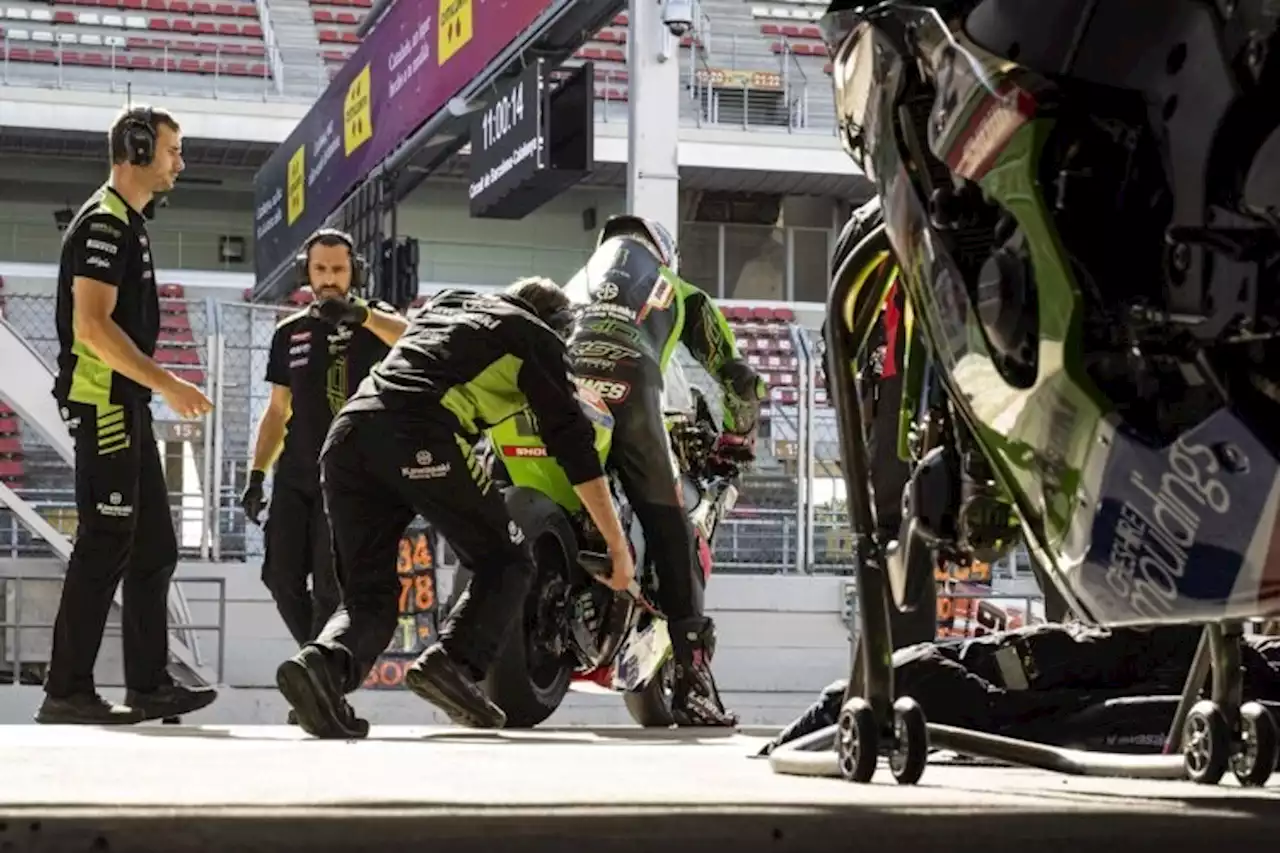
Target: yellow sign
297 183
455 28
357 120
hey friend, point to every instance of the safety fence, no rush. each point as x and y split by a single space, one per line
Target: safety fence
790 517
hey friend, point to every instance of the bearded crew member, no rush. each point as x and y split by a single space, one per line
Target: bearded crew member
108 321
318 357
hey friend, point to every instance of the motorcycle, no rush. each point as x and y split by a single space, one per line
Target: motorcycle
1082 206
575 630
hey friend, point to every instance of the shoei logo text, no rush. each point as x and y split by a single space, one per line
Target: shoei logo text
518 451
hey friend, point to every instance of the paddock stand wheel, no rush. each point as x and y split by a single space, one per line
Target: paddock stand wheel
909 752
1255 757
857 740
1206 743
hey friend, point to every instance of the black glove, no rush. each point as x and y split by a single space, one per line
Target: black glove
337 311
253 502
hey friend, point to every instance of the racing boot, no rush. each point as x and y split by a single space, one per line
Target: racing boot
311 681
452 687
696 701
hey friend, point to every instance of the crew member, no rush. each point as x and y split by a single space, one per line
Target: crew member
319 356
634 309
108 320
405 445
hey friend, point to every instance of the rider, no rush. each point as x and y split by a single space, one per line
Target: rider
633 309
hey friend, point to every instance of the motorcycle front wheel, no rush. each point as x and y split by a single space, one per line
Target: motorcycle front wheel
527 680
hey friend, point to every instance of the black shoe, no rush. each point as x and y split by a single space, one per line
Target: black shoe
697 700
445 684
308 682
171 700
85 709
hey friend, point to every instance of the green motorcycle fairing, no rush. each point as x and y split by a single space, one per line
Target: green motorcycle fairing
1132 534
525 456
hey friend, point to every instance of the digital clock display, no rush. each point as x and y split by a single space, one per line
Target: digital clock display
504 114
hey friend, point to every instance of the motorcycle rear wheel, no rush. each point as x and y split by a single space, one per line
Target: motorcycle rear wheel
530 687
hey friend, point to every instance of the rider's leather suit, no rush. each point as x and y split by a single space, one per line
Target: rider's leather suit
632 313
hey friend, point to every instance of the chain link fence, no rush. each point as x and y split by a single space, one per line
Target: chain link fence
47 481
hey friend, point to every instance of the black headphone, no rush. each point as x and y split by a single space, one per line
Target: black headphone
359 266
138 133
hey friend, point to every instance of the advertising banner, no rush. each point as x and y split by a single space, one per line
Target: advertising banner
422 54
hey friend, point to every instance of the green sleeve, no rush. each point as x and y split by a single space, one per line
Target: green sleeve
707 334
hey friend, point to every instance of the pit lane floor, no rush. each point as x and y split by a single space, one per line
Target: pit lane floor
243 788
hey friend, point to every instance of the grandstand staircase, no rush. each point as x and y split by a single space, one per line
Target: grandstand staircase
24 387
303 72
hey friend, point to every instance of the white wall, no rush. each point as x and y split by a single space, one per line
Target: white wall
455 247
781 639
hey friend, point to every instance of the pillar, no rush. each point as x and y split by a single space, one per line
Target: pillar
653 126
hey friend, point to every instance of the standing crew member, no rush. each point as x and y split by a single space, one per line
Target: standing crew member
108 319
318 357
404 446
633 311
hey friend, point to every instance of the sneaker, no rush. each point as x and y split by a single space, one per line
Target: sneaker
308 682
171 700
697 700
85 709
445 684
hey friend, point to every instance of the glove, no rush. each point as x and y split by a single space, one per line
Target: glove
252 501
337 311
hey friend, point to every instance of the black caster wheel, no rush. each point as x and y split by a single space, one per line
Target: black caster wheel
1206 743
171 721
910 749
857 739
1255 758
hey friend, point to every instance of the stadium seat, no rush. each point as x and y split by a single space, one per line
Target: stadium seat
176 348
173 36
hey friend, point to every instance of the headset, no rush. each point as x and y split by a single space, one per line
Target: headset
139 136
359 266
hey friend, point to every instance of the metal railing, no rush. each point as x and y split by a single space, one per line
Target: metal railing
731 85
14 659
63 65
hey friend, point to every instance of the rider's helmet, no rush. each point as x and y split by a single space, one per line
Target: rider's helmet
648 231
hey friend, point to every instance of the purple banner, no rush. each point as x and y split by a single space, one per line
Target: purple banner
420 56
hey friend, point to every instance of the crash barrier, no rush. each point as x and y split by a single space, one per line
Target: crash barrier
789 518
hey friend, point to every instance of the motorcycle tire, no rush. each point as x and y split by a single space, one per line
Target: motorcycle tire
651 707
530 698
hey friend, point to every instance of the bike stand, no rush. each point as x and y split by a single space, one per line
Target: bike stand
1207 738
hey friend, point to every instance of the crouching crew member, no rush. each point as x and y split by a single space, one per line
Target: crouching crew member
404 446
